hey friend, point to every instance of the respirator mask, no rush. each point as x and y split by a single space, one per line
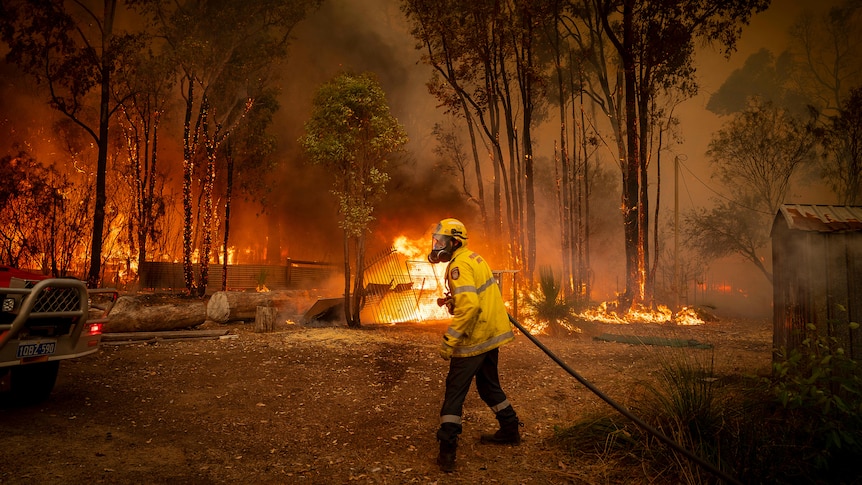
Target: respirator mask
442 248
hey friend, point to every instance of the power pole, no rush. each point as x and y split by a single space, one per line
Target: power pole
675 285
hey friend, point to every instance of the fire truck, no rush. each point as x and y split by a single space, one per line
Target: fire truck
43 321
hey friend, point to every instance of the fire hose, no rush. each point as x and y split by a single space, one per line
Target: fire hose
625 412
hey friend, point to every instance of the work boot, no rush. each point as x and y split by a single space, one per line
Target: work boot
446 459
508 434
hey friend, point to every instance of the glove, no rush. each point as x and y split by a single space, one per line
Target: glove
448 302
446 351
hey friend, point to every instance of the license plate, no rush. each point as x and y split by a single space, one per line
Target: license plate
35 349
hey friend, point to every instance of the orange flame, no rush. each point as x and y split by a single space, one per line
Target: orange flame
411 249
606 313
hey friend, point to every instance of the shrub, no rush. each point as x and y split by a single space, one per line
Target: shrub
819 393
801 425
547 305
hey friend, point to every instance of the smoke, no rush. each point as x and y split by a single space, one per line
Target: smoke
300 220
354 36
25 118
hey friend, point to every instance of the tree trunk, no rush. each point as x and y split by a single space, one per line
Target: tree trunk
264 319
132 314
188 169
227 206
631 192
232 306
348 316
94 275
358 283
210 147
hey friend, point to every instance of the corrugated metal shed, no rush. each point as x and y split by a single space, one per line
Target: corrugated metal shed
822 218
817 274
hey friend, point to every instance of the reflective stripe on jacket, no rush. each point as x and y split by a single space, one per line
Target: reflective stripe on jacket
481 322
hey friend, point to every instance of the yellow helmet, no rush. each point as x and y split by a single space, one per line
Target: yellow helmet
452 227
447 236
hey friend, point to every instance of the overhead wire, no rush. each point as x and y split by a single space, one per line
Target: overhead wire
685 183
720 194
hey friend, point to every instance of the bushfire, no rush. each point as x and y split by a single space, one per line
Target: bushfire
402 286
606 313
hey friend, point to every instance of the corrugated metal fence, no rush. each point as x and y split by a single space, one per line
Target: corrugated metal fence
294 275
398 290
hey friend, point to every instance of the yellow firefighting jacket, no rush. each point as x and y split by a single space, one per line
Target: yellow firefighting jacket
480 322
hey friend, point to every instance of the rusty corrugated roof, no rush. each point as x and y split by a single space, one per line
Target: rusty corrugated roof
822 218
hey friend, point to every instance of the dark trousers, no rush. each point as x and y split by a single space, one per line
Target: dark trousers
462 370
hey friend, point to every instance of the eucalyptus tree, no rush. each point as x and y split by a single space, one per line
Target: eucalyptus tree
579 140
842 140
827 72
251 149
74 49
642 53
142 91
488 71
754 156
816 75
224 50
353 134
461 41
827 54
45 217
27 197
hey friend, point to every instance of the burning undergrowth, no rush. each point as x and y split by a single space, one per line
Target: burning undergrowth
609 312
402 286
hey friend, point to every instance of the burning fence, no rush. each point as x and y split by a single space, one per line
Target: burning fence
401 288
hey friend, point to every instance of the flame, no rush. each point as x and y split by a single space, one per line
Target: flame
724 288
688 316
410 248
411 295
429 289
607 313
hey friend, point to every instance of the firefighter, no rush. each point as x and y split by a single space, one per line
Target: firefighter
479 326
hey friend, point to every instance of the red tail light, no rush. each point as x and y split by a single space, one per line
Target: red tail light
94 329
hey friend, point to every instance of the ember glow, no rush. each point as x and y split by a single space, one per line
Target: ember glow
606 313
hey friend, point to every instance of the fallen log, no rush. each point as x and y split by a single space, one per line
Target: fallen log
232 306
137 314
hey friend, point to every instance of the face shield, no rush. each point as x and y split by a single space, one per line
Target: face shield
441 249
439 241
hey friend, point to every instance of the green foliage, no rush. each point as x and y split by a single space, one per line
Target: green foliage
819 389
755 156
802 425
686 405
353 134
260 277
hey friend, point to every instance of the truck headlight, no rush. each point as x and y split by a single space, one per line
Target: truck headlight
8 304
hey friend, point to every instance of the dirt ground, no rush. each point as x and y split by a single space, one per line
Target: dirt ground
331 405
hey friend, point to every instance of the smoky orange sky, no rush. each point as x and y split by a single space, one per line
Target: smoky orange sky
372 35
